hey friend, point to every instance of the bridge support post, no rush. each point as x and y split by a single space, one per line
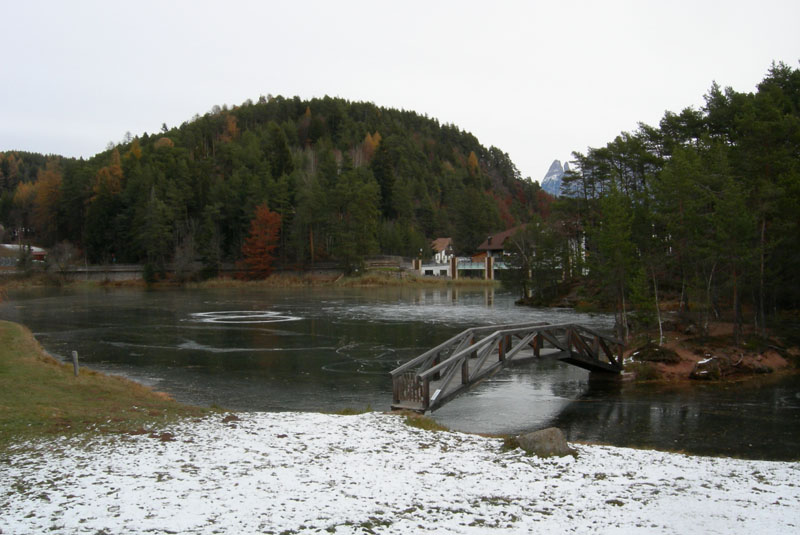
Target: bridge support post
537 345
488 269
426 394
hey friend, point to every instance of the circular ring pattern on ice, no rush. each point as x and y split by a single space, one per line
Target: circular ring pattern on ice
241 316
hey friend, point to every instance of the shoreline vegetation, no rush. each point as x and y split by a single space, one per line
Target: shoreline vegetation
686 355
371 278
41 397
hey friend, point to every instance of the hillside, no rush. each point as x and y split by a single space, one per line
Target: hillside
347 178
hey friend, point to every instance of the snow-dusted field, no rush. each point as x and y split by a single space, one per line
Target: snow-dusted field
314 473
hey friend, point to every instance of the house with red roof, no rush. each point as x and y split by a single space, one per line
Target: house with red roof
497 244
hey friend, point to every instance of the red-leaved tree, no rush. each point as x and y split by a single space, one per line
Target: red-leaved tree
260 244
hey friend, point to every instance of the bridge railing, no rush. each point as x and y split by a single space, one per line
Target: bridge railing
480 351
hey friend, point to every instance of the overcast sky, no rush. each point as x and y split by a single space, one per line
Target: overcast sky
536 79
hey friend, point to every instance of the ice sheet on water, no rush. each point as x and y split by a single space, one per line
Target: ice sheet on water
466 315
241 316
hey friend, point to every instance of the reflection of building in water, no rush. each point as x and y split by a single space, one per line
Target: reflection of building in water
439 296
436 296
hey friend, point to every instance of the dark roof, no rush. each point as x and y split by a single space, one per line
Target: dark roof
495 241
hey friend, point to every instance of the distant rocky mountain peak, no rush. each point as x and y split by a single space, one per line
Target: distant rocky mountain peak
551 183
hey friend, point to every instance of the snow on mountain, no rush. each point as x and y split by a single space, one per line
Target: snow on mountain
551 183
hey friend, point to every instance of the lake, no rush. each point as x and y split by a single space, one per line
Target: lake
327 349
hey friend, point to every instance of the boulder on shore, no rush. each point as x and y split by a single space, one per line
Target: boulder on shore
652 352
708 369
548 442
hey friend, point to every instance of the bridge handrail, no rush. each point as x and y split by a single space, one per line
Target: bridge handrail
421 358
488 340
575 344
455 339
606 337
455 358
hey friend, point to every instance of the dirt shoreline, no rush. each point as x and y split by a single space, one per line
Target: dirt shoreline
688 358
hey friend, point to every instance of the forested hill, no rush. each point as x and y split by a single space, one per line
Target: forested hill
347 178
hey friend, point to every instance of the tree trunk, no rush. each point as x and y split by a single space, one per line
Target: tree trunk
762 316
311 243
683 293
708 300
737 317
658 309
624 315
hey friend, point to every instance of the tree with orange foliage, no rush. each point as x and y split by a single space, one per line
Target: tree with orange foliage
108 179
230 130
260 244
472 164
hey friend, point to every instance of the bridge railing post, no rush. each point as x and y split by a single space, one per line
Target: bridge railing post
426 393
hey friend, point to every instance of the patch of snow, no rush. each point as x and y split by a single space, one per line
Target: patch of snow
706 361
305 472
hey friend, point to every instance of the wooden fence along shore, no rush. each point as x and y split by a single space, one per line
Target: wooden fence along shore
430 380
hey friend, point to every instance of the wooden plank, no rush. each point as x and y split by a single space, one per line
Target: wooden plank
420 359
553 340
482 356
449 376
455 358
582 346
519 347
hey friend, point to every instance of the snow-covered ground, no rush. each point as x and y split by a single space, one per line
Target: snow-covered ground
315 473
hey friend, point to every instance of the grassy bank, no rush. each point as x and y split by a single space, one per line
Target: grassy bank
40 396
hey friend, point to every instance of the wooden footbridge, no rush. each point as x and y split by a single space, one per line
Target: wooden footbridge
430 380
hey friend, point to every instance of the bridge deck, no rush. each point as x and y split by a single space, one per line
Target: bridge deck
440 374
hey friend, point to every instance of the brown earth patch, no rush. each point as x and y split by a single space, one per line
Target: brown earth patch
735 362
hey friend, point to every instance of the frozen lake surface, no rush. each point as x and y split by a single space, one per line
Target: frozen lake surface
327 349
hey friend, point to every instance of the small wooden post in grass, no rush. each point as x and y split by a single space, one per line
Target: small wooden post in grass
75 362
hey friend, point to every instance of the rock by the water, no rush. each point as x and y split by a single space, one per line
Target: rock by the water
652 352
548 442
708 369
